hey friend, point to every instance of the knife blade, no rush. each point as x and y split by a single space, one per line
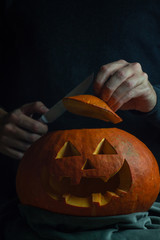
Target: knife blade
58 109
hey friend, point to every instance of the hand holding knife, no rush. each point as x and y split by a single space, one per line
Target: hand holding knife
19 130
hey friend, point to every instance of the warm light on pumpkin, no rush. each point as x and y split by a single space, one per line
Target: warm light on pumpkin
91 106
89 172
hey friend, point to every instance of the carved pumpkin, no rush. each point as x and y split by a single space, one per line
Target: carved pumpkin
89 172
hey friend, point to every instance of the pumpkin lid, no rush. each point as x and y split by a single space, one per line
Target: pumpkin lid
90 106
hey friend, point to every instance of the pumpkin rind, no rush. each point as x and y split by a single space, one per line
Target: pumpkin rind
50 178
91 106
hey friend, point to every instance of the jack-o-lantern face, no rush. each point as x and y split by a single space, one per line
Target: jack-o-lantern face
89 172
89 177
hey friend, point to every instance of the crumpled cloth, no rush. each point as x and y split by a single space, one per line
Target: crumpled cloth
21 222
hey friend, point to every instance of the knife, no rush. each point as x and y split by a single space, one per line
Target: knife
58 109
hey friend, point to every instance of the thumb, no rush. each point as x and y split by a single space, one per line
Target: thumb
34 107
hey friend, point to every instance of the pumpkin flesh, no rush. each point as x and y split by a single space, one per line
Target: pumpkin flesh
91 106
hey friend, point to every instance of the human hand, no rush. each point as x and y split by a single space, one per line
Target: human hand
125 86
18 130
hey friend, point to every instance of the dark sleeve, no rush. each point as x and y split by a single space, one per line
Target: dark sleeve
4 5
154 115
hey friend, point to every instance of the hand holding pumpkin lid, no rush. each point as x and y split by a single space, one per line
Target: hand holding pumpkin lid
91 106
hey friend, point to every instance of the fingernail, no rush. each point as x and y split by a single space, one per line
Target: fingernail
44 109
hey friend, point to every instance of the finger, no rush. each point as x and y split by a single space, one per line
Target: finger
120 76
12 152
124 88
105 72
128 100
28 123
34 107
15 143
15 132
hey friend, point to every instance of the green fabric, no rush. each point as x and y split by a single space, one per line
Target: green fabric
27 223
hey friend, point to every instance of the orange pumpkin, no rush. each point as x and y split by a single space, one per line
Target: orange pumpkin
89 172
91 106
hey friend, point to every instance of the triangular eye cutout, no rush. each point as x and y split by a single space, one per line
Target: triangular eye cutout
104 147
88 165
68 150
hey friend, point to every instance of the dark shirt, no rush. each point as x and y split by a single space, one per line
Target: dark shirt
48 47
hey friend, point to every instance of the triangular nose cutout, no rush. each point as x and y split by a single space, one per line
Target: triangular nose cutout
104 147
88 165
68 150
